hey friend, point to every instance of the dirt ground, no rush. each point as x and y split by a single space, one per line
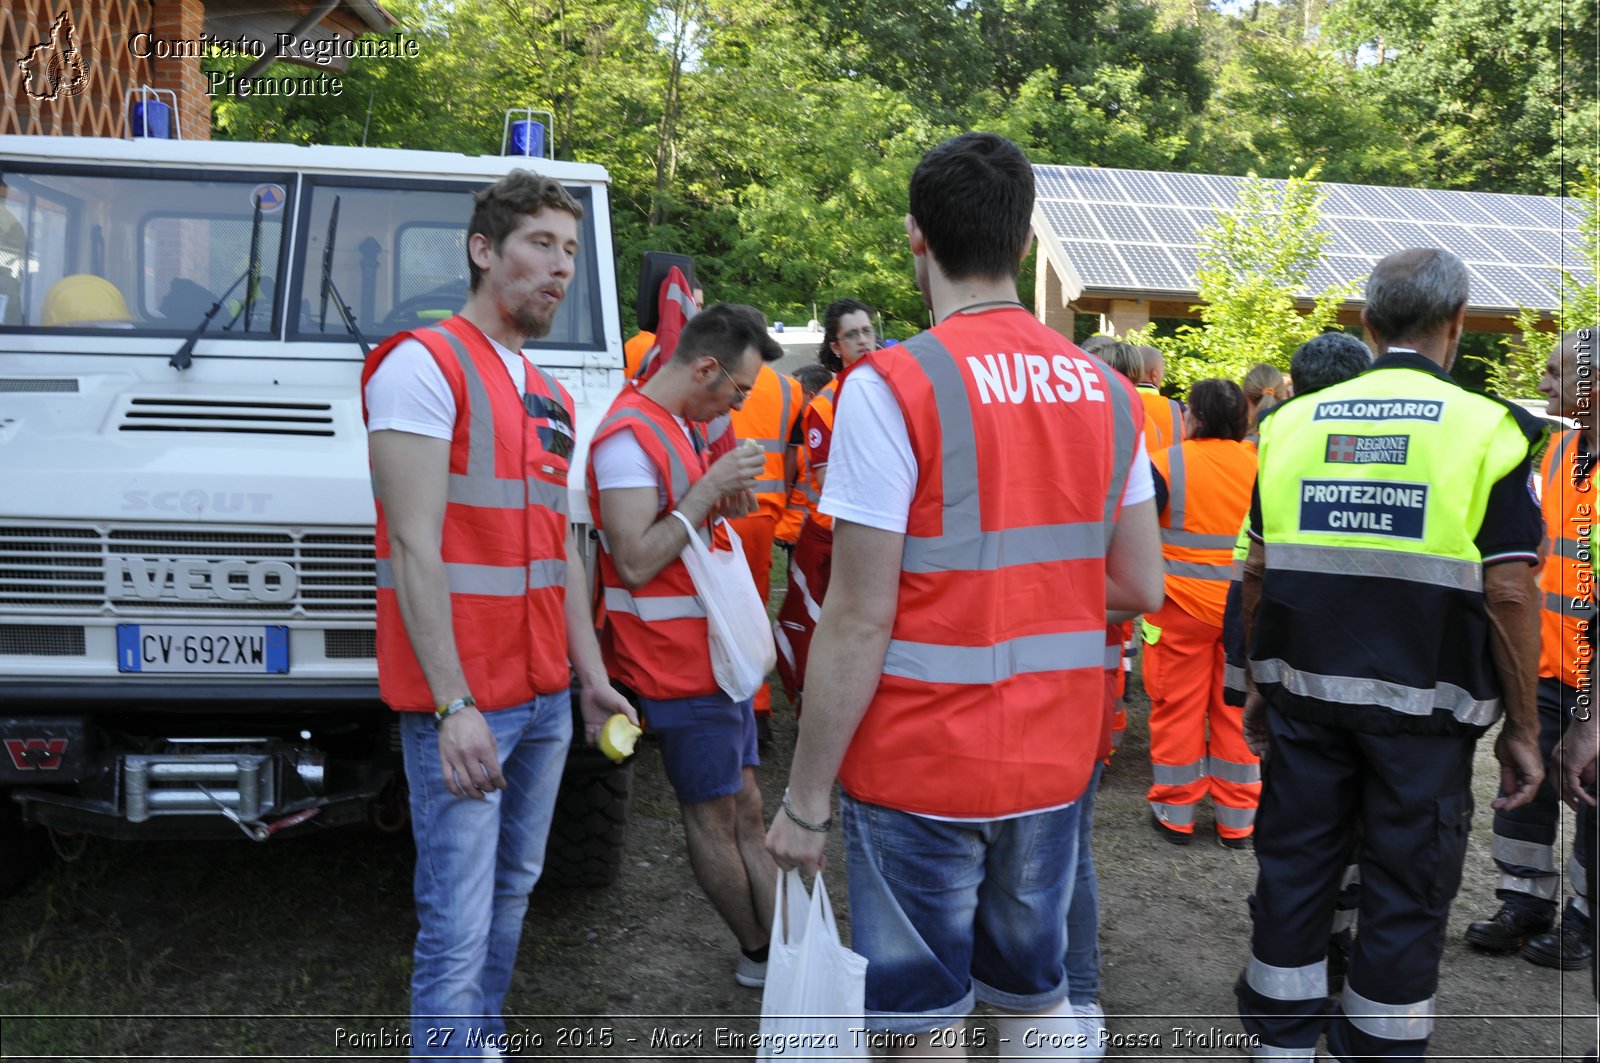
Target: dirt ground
302 949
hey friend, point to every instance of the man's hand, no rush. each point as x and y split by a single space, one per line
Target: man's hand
1521 768
469 756
791 845
599 702
1573 760
734 472
1255 725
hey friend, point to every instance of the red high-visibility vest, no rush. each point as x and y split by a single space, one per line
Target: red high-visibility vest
1208 494
655 638
1166 418
505 530
1567 578
767 416
991 701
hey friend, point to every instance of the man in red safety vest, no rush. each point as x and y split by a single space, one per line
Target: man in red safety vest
482 604
991 502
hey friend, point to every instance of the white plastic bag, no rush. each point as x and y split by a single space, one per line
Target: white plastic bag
816 988
742 650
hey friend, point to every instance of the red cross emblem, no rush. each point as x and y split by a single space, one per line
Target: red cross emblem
1341 450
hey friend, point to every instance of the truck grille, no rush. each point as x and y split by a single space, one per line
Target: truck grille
65 568
226 416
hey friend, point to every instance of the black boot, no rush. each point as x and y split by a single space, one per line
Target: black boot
1508 929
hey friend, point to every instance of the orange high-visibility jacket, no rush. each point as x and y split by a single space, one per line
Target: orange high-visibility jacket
767 416
633 352
1566 580
819 420
1208 494
505 530
1166 418
991 701
655 638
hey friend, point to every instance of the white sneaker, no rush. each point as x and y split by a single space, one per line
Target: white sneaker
749 973
1092 1028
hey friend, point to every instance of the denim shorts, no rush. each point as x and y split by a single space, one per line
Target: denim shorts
706 743
947 913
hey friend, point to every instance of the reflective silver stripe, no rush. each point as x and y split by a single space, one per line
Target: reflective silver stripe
677 472
1233 771
1196 570
1452 572
479 486
654 609
1392 1022
1351 876
1531 855
1178 774
548 573
772 446
788 387
718 427
931 662
1350 690
1177 486
1288 983
811 493
1237 573
685 301
1571 550
1580 900
1234 818
550 496
1297 1055
964 546
1233 677
1343 919
1563 443
1176 815
1197 540
486 494
763 487
1562 604
1126 424
490 581
1038 544
1545 887
798 574
1113 658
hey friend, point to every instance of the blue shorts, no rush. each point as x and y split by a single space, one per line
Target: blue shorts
946 913
706 743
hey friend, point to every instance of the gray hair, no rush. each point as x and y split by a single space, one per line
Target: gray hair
1124 358
1580 343
1328 359
1414 292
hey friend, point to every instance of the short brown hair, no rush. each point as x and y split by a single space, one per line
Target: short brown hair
499 208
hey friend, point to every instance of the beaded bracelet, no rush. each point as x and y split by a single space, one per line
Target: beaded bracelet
805 824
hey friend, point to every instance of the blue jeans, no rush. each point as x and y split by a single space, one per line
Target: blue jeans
477 861
1083 915
948 912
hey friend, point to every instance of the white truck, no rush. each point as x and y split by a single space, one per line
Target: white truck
186 556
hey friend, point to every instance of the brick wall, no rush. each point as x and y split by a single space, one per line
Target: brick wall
182 20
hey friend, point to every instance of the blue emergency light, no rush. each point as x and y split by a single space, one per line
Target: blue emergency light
151 118
527 138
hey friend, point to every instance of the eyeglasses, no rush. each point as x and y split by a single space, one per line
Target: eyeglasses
864 333
743 393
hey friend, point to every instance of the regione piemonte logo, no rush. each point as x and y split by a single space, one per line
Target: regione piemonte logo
54 67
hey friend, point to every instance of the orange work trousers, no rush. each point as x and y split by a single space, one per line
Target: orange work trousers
756 534
1197 742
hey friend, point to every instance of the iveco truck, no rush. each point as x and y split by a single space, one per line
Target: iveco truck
186 518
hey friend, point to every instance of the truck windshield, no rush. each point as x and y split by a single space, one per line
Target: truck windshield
141 249
400 261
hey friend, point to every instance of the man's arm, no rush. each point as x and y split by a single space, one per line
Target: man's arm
1512 599
1135 579
596 697
640 544
846 663
1255 706
411 473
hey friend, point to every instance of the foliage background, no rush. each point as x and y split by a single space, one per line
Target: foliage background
772 139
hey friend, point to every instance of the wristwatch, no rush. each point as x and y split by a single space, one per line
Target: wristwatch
447 709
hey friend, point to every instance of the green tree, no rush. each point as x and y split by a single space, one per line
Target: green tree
1253 261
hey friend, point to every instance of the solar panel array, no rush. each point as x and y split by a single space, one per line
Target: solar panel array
1138 232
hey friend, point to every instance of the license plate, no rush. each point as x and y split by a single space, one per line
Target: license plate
203 649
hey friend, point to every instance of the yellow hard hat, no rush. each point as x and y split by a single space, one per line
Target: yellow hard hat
83 297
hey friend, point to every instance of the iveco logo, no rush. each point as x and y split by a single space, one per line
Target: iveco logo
192 580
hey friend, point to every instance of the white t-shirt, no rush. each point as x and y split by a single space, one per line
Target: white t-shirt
872 472
408 391
619 461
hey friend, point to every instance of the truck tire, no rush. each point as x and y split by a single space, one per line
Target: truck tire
589 828
24 851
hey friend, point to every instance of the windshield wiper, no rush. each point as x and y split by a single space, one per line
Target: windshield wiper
329 288
252 273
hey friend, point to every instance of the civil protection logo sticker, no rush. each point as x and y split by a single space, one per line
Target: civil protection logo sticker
54 67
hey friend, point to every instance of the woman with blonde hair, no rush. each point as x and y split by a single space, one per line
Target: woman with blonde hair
1264 387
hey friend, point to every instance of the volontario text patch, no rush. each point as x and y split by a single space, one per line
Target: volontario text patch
1379 410
1363 507
1367 450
